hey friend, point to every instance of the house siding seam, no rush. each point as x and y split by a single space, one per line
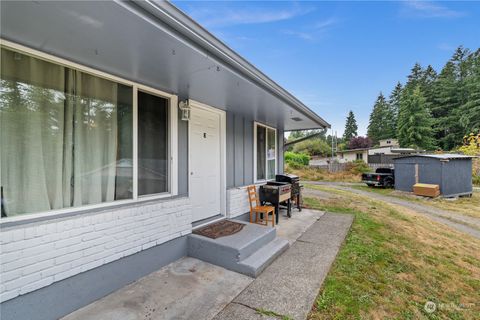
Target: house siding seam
36 256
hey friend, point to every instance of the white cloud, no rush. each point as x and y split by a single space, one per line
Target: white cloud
321 25
224 17
429 9
315 31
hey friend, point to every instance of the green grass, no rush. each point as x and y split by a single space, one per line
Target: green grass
392 263
464 205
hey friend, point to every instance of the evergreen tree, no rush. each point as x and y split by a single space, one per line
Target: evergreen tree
381 125
470 110
414 121
426 85
452 98
445 107
415 77
394 104
351 127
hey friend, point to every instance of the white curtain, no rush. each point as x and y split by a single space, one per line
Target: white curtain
58 136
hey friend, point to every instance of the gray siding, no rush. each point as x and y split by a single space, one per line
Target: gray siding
404 176
454 176
240 142
457 177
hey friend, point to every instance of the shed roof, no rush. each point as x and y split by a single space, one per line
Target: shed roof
439 156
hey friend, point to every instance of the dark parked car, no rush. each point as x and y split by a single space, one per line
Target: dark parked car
383 177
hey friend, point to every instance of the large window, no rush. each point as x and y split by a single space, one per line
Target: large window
152 146
66 138
265 152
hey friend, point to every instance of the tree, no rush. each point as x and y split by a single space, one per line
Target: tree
427 80
394 104
470 110
351 127
313 147
444 108
359 142
381 125
414 122
415 77
294 135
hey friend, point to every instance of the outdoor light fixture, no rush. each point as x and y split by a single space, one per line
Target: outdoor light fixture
185 107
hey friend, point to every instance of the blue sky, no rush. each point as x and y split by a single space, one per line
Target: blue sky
337 56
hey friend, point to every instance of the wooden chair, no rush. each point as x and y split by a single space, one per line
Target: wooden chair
256 208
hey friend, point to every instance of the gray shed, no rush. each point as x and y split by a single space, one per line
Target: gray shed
452 172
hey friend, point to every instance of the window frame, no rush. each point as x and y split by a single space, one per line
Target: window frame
172 137
255 126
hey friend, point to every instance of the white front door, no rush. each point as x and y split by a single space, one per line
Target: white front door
205 163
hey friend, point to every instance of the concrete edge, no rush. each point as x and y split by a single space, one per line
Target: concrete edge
339 248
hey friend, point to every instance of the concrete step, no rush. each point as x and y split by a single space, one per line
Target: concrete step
262 258
248 251
234 248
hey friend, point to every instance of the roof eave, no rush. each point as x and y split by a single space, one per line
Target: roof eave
195 33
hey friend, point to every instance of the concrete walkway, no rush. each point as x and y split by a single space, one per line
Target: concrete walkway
192 289
289 286
462 223
185 289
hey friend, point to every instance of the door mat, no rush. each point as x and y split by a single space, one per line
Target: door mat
220 229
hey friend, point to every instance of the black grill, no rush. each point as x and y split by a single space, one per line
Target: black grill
296 187
276 193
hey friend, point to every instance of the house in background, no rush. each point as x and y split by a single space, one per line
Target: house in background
351 155
385 152
389 143
102 174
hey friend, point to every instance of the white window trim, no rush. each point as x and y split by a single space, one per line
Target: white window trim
255 125
173 137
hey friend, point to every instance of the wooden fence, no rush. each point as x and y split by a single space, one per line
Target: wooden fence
338 167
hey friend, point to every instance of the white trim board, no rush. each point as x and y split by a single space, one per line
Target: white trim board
255 125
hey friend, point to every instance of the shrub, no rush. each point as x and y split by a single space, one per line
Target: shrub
296 160
358 167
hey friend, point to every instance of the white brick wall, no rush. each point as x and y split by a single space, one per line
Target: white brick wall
237 202
37 255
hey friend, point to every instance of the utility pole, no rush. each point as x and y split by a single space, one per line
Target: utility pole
332 144
336 141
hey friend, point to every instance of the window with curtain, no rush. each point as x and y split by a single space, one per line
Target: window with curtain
65 137
266 152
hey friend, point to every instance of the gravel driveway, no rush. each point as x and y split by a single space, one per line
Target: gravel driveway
465 224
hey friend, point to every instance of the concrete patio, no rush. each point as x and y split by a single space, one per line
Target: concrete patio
192 289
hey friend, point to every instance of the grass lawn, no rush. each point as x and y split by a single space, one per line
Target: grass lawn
315 174
393 262
464 205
